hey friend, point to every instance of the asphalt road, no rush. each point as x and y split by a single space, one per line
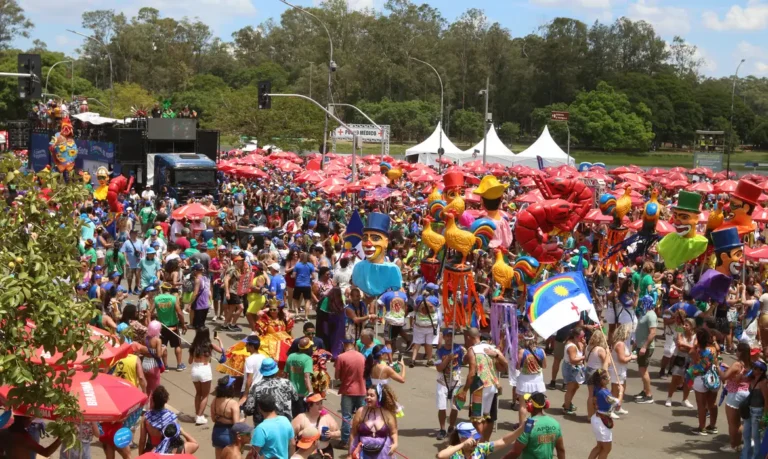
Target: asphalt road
648 431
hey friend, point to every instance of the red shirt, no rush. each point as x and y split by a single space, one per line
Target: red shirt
350 366
165 227
182 242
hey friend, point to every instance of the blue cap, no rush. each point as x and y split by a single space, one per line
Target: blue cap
431 287
114 274
183 256
98 268
155 245
82 286
378 222
467 430
149 288
97 277
151 251
122 289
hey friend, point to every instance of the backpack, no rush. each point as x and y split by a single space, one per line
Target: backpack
711 379
187 288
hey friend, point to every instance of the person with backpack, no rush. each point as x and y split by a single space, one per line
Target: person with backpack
706 380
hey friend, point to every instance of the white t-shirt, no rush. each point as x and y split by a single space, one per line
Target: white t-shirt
253 366
148 195
176 230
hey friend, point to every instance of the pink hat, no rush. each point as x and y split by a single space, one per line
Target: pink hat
154 328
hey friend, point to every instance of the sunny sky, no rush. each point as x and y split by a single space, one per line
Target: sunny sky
724 30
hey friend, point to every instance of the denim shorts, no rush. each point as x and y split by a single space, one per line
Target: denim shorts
221 436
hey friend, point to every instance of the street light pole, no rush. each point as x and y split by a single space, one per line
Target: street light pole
485 116
442 96
111 70
381 129
331 69
330 114
730 132
51 68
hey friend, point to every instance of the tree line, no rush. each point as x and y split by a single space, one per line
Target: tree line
625 86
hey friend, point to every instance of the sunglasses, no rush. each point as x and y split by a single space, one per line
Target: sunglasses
273 310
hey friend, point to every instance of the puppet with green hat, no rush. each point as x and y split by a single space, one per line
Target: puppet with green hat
685 244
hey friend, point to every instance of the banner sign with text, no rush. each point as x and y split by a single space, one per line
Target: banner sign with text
39 157
366 132
560 116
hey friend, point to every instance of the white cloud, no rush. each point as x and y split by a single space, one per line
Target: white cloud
761 68
586 4
756 57
62 40
355 5
665 19
708 63
752 17
209 11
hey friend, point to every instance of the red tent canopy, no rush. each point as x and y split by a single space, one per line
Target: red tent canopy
662 227
757 254
726 186
702 187
310 177
595 216
194 211
113 351
331 181
376 180
250 171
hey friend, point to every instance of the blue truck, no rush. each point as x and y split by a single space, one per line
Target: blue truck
184 174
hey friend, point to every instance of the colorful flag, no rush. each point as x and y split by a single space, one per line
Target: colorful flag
353 235
559 301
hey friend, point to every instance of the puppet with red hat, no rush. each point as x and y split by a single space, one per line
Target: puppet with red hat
743 202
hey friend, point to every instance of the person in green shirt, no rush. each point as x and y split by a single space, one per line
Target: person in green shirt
645 337
169 314
89 252
147 216
544 439
299 367
192 248
115 260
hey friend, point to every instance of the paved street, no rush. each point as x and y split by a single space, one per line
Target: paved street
648 431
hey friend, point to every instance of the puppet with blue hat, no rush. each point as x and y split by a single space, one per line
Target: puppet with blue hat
714 283
374 276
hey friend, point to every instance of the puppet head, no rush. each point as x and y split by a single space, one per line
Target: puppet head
86 176
728 251
685 214
66 127
102 175
454 186
491 190
376 237
744 199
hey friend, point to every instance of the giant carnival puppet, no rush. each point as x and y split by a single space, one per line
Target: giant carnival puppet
743 202
491 191
684 244
64 149
392 173
374 276
102 176
714 283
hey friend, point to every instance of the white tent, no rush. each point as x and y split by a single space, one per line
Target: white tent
545 148
495 151
427 150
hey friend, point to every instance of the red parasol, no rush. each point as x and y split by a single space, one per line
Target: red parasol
194 211
662 227
531 173
621 170
722 176
656 171
527 182
250 171
113 351
757 254
425 177
679 169
476 169
332 181
471 180
331 155
370 169
596 216
445 161
498 172
633 177
469 196
313 165
530 197
310 177
634 185
315 155
287 166
677 176
333 189
518 169
598 176
760 215
105 398
701 171
726 186
704 216
757 178
376 180
353 187
702 187
676 184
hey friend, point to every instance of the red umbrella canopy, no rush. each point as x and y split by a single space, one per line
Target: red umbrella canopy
634 177
636 169
531 173
677 176
662 227
527 182
471 180
701 171
226 166
563 173
757 254
676 184
469 196
105 398
722 175
354 187
370 169
530 197
679 169
194 211
702 187
518 169
598 176
113 351
333 189
596 216
376 180
620 192
476 169
757 178
760 215
498 172
621 170
331 181
372 159
251 160
726 186
634 185
310 177
287 166
426 177
656 171
473 163
250 171
445 161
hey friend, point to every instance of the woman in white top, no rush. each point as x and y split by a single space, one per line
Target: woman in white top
598 356
621 355
379 368
684 342
573 367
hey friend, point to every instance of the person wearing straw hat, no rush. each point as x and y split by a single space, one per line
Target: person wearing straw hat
492 192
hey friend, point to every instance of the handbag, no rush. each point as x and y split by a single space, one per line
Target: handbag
744 406
607 420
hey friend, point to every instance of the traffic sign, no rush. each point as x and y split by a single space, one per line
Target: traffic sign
560 116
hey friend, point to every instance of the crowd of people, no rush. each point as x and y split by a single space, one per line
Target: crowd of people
155 278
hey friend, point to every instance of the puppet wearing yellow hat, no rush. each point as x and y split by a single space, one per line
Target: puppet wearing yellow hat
491 191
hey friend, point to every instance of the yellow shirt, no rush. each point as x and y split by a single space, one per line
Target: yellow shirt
126 369
256 300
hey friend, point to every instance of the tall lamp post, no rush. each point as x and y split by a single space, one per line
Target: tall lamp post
369 120
49 75
730 132
111 70
331 69
442 97
485 116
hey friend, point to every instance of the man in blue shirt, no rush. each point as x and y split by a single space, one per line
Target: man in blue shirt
273 437
149 267
276 283
132 248
686 305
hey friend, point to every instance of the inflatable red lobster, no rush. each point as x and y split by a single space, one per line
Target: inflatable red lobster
117 185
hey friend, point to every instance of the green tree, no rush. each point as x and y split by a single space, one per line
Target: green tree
509 131
38 269
467 124
127 97
759 134
13 23
604 118
542 116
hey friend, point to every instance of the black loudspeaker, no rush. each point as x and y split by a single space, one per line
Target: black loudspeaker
129 145
18 135
208 143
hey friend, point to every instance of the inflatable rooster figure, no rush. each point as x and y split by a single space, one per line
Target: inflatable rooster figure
63 148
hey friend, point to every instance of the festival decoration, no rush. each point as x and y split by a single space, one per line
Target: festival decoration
432 239
538 220
463 241
452 197
63 148
491 191
714 283
573 191
559 301
743 202
373 276
503 274
617 208
392 173
683 245
117 185
647 232
504 319
102 176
